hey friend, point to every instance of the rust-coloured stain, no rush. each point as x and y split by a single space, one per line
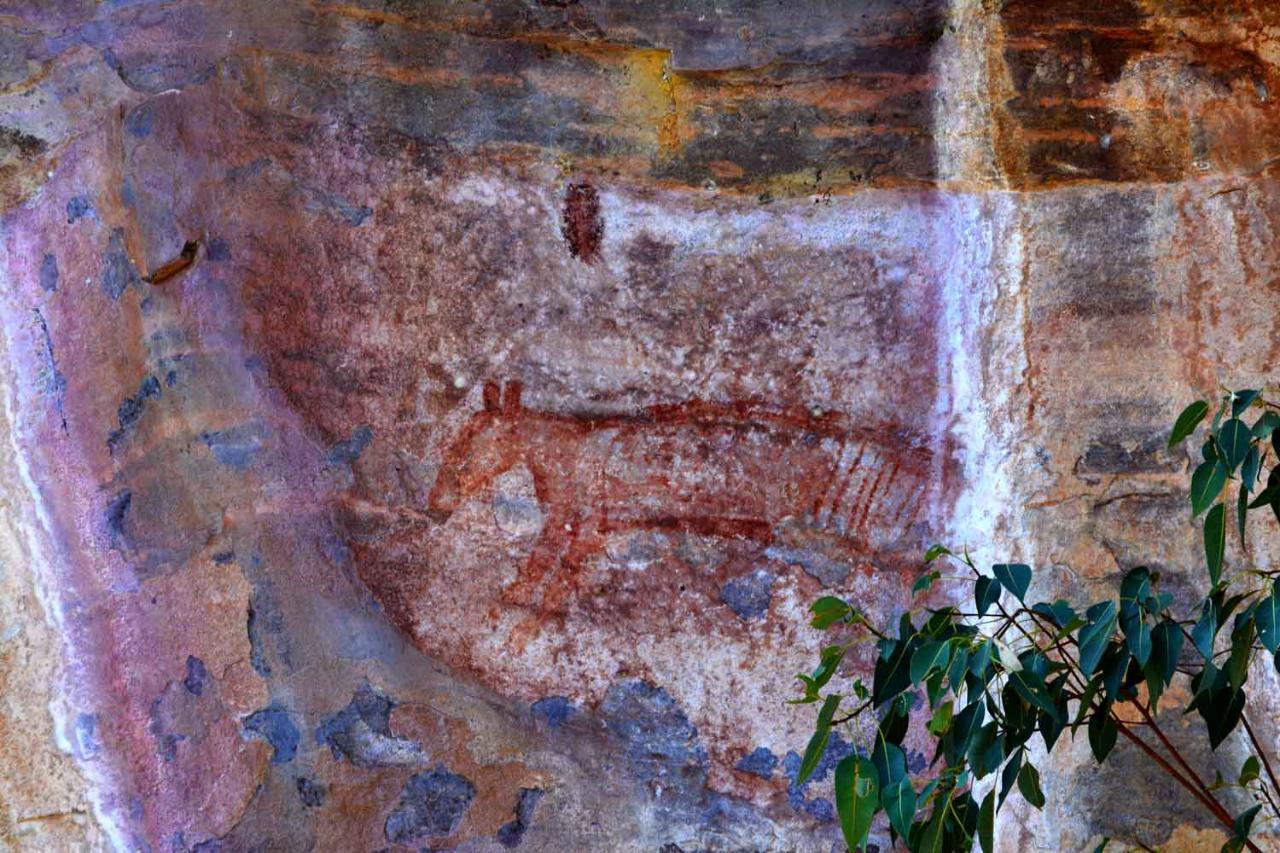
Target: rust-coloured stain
735 470
582 226
184 259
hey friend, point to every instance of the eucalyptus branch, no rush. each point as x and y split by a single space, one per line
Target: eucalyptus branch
1211 804
1177 755
985 705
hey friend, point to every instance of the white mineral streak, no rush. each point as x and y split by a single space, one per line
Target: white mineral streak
983 395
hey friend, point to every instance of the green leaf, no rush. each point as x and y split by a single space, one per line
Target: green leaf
1051 726
1237 668
1102 733
925 581
1115 663
1242 508
1244 822
827 666
934 552
899 802
892 674
1140 643
1151 672
1267 618
1229 606
1168 641
1221 708
1250 771
857 798
933 837
889 760
813 752
1135 589
1265 425
1215 541
980 661
1086 700
1102 844
1031 688
963 728
1204 683
959 666
818 743
929 656
828 610
1249 470
987 823
1242 400
1015 577
1166 645
1206 629
1060 613
1271 491
1093 636
941 721
986 592
985 751
1010 774
1029 785
1206 484
1188 421
896 719
1233 442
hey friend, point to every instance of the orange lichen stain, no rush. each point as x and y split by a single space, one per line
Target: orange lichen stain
656 91
1187 839
725 169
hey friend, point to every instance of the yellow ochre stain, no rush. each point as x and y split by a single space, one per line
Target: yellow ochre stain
655 89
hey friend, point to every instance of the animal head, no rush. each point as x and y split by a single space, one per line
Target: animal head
487 446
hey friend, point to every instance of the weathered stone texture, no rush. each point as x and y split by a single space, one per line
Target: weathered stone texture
427 423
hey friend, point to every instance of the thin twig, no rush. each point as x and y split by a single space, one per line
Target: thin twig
1219 812
1146 712
1266 762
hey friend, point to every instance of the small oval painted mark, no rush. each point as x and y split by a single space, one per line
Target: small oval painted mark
582 226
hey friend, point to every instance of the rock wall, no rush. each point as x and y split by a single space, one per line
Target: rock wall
428 423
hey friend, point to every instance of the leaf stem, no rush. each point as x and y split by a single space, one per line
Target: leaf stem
855 712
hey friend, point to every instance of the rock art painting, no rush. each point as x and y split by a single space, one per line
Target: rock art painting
728 471
425 425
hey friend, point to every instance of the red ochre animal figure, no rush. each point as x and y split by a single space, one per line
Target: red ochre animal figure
737 470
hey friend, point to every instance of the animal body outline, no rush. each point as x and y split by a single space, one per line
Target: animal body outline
865 486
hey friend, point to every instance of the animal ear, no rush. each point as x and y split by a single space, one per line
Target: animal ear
491 396
511 396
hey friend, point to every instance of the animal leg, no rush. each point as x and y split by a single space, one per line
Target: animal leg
556 580
585 540
547 554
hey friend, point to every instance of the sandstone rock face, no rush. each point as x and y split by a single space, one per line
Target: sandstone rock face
426 424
